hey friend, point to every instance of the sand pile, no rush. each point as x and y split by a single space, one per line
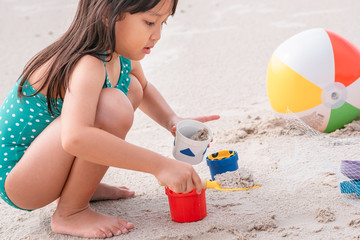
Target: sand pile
241 178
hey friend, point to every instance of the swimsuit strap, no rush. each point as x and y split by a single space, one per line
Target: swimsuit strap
124 78
107 82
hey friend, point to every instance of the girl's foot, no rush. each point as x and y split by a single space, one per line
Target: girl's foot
89 224
108 192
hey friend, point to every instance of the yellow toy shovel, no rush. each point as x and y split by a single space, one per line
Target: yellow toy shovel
216 185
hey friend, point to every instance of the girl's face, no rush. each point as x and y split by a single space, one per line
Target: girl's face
136 34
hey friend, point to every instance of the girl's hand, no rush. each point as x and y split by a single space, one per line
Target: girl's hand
200 119
179 176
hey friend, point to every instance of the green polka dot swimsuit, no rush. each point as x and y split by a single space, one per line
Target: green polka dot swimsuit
23 119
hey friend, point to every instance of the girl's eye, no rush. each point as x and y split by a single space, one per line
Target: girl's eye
164 23
149 23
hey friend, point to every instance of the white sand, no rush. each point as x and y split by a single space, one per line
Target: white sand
240 178
213 59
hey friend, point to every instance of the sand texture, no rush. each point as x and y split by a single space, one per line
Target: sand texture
240 178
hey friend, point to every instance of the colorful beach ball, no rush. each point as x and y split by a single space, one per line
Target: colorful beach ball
316 75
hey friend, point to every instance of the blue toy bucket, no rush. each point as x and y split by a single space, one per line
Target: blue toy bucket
221 162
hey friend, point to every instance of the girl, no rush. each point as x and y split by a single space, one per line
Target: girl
64 122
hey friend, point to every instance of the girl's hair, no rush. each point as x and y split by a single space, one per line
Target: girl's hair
86 35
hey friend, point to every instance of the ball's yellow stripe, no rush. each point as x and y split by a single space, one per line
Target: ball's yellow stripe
289 91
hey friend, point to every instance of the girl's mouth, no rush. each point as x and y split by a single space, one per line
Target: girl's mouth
147 50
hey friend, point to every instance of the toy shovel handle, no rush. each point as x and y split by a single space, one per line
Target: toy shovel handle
217 186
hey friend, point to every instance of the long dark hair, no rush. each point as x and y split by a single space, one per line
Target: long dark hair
87 34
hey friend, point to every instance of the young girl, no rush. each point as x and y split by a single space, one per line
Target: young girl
65 120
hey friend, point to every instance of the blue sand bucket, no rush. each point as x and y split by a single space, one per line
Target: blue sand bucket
221 162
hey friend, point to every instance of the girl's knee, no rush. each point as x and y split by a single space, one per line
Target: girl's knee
115 112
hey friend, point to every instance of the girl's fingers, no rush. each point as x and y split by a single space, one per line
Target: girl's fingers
197 184
173 130
189 186
207 118
200 119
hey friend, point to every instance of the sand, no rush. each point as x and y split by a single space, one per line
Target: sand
200 135
240 178
212 59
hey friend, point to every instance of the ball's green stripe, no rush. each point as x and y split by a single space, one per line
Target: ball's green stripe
340 116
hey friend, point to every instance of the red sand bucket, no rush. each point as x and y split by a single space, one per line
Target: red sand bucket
187 207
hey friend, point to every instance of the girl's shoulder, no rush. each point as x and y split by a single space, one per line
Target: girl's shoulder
89 67
137 71
90 64
88 61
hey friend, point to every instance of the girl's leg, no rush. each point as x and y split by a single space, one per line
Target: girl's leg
104 191
109 192
46 172
75 217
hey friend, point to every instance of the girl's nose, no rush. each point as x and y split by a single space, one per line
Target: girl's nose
156 35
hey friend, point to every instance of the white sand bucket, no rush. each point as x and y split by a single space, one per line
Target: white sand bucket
191 150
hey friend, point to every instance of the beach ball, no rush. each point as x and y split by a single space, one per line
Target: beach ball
315 74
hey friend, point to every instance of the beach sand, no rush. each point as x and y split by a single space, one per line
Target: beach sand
213 59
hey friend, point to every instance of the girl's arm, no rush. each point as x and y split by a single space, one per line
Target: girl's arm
156 107
82 139
153 104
